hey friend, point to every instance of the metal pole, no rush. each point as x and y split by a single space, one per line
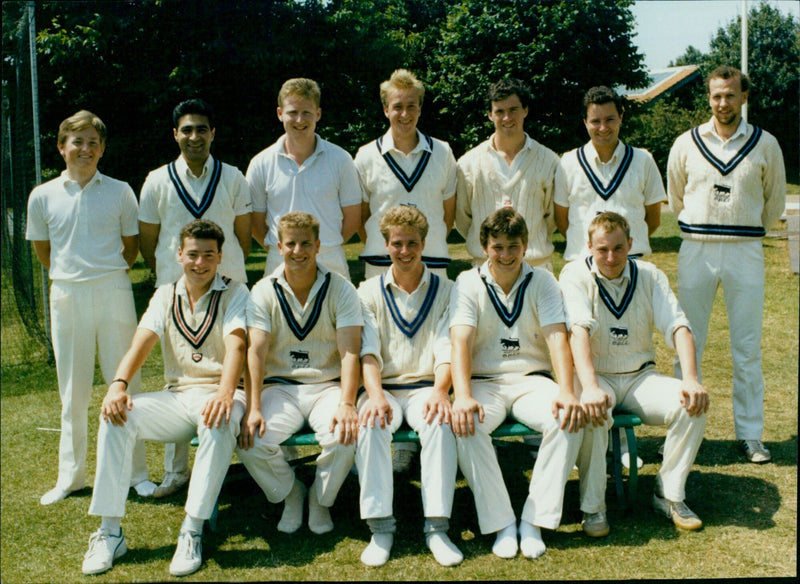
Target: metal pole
744 51
37 154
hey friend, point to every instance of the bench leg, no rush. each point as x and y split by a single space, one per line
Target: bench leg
633 475
617 464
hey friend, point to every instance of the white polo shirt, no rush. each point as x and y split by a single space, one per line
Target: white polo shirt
217 195
326 182
84 226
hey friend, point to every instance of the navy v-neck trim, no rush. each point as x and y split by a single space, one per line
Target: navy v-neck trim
302 331
408 182
409 329
597 184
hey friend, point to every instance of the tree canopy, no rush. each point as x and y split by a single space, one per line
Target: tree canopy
773 67
132 62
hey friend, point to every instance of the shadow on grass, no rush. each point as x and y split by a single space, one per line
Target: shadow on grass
665 244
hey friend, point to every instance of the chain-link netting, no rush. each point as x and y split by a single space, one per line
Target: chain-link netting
24 336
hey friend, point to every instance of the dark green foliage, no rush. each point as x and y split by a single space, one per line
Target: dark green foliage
132 62
774 69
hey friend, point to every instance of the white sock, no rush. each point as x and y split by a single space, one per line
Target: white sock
319 517
145 488
192 524
531 541
377 552
444 551
292 517
111 525
505 545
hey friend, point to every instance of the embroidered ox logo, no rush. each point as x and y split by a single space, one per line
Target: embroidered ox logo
619 335
509 346
299 358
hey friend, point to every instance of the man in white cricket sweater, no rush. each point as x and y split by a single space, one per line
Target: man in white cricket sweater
304 339
607 175
726 183
510 169
508 333
406 369
193 186
201 322
406 167
613 304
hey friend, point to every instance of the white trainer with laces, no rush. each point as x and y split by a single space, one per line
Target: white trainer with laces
104 548
188 555
755 451
172 483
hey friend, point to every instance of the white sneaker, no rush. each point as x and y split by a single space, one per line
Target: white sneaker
188 555
104 548
172 483
401 460
755 451
54 495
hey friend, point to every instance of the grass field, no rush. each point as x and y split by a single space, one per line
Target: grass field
749 511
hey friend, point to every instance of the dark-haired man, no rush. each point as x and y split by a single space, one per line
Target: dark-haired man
201 322
508 333
607 175
510 169
193 186
726 183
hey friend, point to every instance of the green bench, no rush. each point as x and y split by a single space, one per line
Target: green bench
510 429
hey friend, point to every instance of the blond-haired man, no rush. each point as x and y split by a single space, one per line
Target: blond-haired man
304 338
83 228
303 172
406 167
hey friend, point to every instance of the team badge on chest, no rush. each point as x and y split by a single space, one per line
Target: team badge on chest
299 359
196 357
618 335
722 194
510 347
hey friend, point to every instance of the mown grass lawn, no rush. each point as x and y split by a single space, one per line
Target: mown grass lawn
750 512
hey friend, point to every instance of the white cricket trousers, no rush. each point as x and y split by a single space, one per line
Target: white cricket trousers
286 409
84 315
438 458
166 416
739 267
332 258
655 398
528 399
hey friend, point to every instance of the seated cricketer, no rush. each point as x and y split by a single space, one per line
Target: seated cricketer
406 370
201 322
506 315
304 339
613 305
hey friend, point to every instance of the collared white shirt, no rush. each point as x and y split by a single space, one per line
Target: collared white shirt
325 183
504 168
84 226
